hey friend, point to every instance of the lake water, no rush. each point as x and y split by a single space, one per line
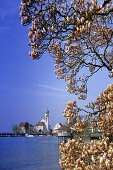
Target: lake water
22 153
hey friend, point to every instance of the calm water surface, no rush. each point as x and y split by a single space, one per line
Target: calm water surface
22 153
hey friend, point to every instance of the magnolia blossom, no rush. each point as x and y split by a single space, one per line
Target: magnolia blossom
102 108
82 32
99 153
96 155
79 36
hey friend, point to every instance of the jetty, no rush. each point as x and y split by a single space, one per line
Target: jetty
21 134
12 135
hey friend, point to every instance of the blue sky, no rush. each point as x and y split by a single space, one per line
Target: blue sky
28 87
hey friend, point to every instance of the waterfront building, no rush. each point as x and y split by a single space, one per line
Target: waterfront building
89 133
40 126
64 131
43 125
24 127
56 127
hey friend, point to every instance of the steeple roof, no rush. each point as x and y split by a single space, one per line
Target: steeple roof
40 124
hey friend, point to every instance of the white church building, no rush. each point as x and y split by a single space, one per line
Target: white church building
43 125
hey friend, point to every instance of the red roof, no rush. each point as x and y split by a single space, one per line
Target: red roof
40 124
22 124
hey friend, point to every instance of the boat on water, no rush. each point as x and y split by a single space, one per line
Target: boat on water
41 135
27 135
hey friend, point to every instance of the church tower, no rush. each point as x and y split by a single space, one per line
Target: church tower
47 119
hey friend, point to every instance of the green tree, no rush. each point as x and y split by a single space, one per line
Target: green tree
15 128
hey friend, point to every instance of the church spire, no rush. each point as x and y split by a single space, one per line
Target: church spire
47 119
